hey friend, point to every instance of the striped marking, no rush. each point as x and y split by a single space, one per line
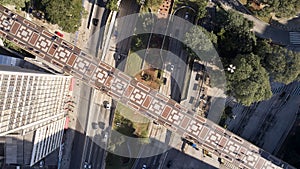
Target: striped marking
128 91
143 87
203 133
166 112
185 122
147 101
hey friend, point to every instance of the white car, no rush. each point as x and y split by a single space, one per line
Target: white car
144 166
186 15
87 165
105 136
106 104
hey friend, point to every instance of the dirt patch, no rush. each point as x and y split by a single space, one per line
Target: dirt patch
150 77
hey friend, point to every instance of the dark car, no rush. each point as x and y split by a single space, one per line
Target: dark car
169 164
95 21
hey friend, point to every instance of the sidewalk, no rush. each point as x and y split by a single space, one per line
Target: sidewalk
70 133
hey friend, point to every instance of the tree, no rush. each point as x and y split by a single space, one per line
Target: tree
201 8
235 35
65 13
281 8
250 81
17 3
282 64
200 40
152 3
112 5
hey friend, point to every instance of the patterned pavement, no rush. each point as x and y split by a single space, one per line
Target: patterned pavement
69 58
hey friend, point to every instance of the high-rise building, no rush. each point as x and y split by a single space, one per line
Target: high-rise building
32 104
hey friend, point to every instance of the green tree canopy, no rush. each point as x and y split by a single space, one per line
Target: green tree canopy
201 8
281 8
250 81
65 13
235 35
17 3
112 5
201 40
282 64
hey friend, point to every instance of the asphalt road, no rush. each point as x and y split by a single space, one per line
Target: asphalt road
180 60
79 138
152 162
125 27
97 143
179 160
99 13
78 152
261 28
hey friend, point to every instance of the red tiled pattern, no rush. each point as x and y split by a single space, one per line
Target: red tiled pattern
127 90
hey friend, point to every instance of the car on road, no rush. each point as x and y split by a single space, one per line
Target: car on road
117 56
95 125
87 165
186 15
170 67
104 135
144 166
169 164
101 125
95 21
54 37
59 34
106 104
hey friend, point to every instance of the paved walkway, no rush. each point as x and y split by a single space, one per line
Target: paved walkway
70 133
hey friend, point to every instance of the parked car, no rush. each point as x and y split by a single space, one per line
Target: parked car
144 166
106 104
186 15
87 165
95 21
59 34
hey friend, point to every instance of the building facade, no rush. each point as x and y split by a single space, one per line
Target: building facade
32 106
29 100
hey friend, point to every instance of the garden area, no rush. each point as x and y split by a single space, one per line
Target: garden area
128 123
150 77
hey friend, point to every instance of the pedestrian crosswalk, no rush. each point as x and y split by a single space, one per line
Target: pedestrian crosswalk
296 91
279 89
295 38
229 101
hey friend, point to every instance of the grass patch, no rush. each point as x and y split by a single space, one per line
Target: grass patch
264 18
130 114
133 64
139 122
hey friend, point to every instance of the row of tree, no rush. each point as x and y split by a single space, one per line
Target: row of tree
18 3
281 8
66 13
257 61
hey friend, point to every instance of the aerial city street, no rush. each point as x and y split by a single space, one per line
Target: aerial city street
150 84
